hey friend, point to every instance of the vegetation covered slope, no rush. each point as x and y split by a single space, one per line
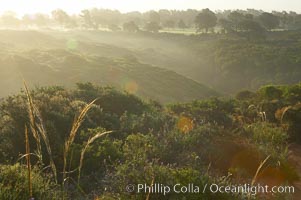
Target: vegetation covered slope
63 67
173 144
225 62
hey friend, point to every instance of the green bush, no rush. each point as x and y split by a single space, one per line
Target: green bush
268 135
14 184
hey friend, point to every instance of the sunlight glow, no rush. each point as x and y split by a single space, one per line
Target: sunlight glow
185 124
75 6
131 87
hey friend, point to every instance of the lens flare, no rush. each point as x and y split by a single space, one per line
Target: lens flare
72 44
131 87
185 124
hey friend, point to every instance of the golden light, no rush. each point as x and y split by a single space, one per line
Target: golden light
22 7
131 87
185 124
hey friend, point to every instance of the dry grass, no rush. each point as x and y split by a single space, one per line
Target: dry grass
75 126
32 122
82 155
152 184
28 162
44 135
38 130
257 172
259 169
36 123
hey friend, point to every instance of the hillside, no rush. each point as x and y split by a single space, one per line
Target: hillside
172 143
63 67
226 63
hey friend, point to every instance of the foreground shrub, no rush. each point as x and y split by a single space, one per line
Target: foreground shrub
14 184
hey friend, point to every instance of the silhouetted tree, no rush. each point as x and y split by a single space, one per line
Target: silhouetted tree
269 21
41 20
236 18
169 24
225 24
205 20
152 27
165 15
254 31
114 27
181 24
105 17
136 17
130 26
61 17
250 25
87 19
154 16
249 16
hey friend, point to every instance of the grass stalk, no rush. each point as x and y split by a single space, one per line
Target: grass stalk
257 172
82 155
39 130
28 163
152 184
75 126
32 122
44 135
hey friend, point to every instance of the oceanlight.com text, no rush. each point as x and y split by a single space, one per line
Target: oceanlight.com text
178 188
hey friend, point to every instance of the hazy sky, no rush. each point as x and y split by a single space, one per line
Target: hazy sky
74 6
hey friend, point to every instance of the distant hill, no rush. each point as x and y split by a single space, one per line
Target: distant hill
227 63
63 67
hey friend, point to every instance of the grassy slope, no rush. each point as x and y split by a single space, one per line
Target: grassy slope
227 63
44 60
